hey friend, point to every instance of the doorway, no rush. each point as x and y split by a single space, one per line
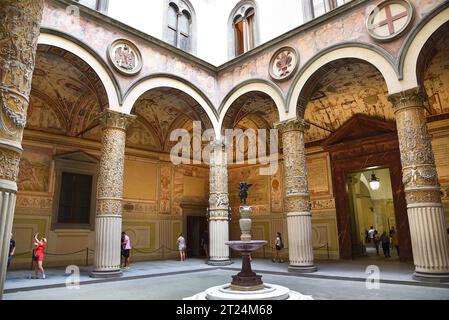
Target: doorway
372 211
360 143
196 225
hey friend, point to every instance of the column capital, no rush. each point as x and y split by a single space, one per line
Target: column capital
115 119
295 124
410 98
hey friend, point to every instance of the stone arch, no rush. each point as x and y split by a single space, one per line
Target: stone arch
255 85
67 43
372 55
415 46
136 90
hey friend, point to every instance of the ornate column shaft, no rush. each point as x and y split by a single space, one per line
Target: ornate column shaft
19 30
108 224
297 199
424 208
218 205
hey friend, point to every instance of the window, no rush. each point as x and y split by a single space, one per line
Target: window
179 26
320 7
75 191
75 198
100 5
243 28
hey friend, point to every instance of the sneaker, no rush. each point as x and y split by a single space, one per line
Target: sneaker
43 276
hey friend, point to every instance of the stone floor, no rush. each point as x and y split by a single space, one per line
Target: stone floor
154 280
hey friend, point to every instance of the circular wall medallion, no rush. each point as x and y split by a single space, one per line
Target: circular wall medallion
390 19
125 57
284 63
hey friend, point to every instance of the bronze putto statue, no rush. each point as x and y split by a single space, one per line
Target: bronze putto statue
243 194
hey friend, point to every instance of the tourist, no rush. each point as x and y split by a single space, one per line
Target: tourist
371 234
205 242
38 256
385 240
181 242
367 239
12 250
279 246
376 242
126 249
395 241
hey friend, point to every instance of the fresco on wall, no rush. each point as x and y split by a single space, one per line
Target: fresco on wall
277 191
139 135
35 170
436 80
343 92
165 190
259 195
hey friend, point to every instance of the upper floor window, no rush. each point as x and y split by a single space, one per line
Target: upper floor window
179 25
100 5
320 7
243 28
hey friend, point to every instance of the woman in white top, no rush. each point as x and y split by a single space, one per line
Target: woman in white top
181 242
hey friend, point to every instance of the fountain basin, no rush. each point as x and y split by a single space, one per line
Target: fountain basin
269 292
246 246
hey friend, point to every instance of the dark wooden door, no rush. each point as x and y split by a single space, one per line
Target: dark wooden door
196 225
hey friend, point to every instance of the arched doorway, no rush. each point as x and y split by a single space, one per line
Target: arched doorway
346 105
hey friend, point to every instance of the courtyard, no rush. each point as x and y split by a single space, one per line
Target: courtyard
175 280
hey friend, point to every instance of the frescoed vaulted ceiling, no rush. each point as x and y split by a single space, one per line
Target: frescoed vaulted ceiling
350 87
255 110
436 78
66 93
163 110
343 91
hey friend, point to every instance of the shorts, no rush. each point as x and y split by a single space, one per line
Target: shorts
126 253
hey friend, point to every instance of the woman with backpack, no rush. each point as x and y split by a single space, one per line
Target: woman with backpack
279 246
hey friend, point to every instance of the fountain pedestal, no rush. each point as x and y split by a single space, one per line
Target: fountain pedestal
247 285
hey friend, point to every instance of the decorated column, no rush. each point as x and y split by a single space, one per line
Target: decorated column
218 205
19 31
297 200
424 208
108 224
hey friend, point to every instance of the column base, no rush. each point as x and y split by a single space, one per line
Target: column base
431 277
302 269
219 262
106 274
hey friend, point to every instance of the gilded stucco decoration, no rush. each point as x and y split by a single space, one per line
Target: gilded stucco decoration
418 164
110 180
297 197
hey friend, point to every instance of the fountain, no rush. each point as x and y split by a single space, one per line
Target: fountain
247 285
